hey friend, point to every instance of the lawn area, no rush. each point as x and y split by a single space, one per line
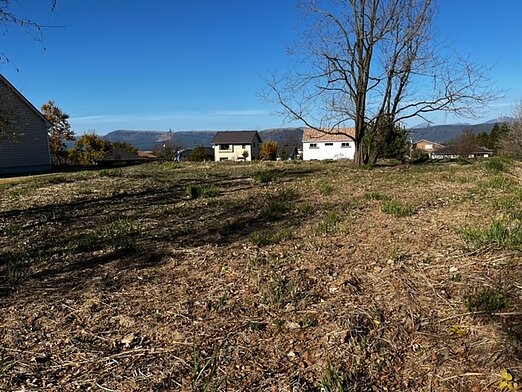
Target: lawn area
282 276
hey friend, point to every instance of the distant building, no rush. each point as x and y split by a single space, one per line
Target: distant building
426 145
24 140
318 145
236 145
287 152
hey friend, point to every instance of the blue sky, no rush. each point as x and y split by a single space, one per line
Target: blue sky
200 64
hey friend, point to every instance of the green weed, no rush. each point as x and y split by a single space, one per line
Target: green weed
396 208
497 164
195 191
110 173
275 210
486 299
262 238
373 195
497 234
333 380
205 375
267 176
325 188
329 224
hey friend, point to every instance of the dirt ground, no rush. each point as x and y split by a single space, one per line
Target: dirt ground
262 277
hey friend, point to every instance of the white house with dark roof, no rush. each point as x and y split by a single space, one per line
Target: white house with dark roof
337 144
24 142
236 145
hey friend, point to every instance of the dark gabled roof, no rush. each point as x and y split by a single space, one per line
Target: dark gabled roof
25 100
117 154
236 137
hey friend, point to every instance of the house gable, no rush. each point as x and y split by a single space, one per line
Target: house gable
337 144
236 145
24 144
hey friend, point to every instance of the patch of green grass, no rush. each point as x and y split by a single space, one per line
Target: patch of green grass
329 224
279 291
262 238
497 164
499 182
205 375
6 364
117 233
267 176
85 190
286 194
194 191
325 188
275 210
497 234
333 380
13 265
12 229
373 195
110 172
307 208
58 179
396 208
486 299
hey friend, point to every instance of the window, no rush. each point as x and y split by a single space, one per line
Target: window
224 146
313 145
223 159
328 144
345 145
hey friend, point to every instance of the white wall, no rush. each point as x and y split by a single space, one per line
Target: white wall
324 151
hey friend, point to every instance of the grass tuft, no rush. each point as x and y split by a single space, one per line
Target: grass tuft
497 234
262 238
396 208
486 299
194 191
267 176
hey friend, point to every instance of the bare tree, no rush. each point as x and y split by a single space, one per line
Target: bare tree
374 63
465 144
511 142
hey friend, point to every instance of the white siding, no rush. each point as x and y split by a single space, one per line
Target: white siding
328 150
235 152
26 147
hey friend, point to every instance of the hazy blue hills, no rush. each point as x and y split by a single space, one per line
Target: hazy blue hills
149 140
444 133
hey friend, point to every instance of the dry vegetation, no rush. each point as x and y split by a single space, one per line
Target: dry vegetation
280 277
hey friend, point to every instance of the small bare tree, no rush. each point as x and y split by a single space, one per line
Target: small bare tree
464 144
511 142
374 63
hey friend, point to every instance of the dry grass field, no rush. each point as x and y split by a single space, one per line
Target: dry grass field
263 277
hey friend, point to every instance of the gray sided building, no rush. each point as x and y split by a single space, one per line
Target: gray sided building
24 142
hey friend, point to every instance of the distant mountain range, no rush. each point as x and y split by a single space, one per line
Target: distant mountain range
149 140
